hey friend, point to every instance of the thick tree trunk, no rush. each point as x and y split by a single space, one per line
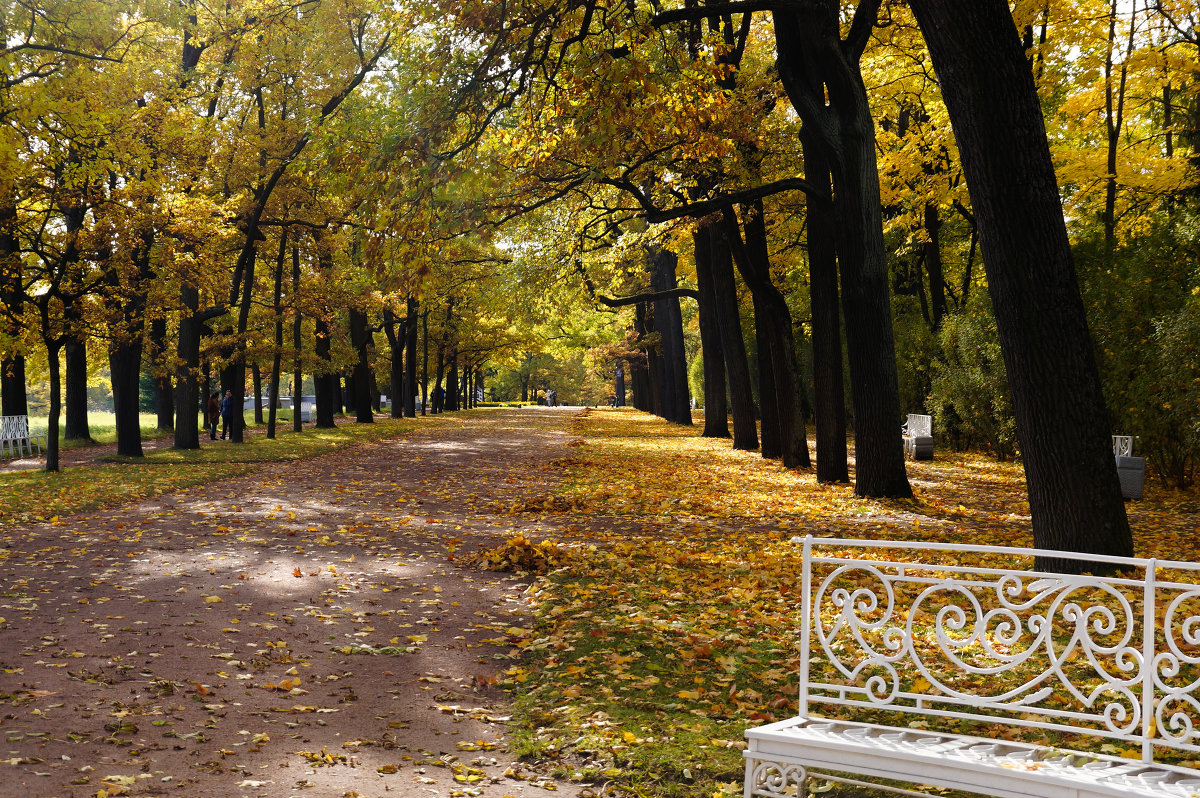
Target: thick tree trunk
324 379
76 426
821 76
770 445
677 406
733 344
12 367
360 339
716 407
12 387
879 449
187 370
125 369
1062 422
164 399
828 379
410 360
754 261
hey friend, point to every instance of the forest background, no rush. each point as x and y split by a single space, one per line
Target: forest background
348 199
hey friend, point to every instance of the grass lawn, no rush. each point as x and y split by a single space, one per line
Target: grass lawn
36 495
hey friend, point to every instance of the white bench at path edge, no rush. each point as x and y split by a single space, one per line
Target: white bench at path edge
15 440
918 436
919 661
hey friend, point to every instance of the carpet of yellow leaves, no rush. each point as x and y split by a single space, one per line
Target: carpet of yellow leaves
673 627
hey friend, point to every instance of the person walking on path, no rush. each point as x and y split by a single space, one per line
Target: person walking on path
213 413
226 414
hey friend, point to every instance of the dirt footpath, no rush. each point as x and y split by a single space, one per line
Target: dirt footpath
305 630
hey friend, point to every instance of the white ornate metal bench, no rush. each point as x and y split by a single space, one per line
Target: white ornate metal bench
15 440
1131 470
938 666
918 436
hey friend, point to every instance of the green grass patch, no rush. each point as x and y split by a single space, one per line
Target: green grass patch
27 496
287 445
102 427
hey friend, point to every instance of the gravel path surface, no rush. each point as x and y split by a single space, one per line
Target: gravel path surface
308 629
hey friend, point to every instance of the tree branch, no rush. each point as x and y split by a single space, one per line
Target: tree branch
704 12
656 215
860 29
649 296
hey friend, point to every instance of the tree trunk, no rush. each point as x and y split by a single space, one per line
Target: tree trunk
639 372
12 367
125 369
677 406
52 361
256 386
771 447
164 402
733 344
410 359
828 379
933 265
716 408
325 379
12 387
76 427
424 360
127 308
396 342
187 369
297 344
360 338
452 381
821 76
277 354
786 388
619 388
439 396
1062 422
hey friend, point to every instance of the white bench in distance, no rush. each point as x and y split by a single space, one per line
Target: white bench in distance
918 436
15 440
928 664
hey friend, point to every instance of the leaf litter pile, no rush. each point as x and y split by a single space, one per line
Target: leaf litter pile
673 626
506 603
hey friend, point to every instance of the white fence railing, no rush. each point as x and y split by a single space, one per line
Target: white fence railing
932 630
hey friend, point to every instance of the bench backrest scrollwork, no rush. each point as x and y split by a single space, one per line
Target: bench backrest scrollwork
14 427
918 426
951 634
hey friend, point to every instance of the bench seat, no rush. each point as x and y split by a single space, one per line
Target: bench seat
952 761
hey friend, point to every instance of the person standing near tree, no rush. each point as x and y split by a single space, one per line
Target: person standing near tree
226 414
213 412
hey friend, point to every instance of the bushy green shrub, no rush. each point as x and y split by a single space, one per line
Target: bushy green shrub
969 388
